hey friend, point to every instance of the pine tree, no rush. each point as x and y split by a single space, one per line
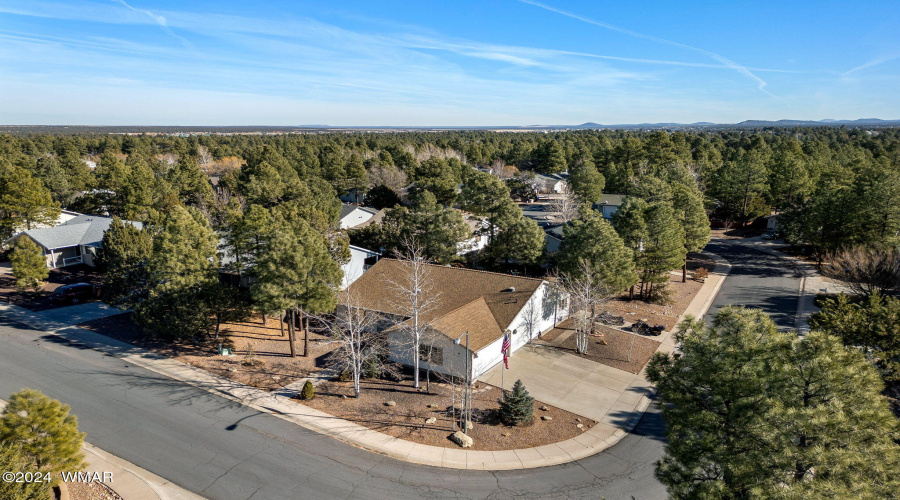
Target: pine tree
663 248
587 182
593 240
756 413
308 391
24 201
691 214
46 432
29 266
516 406
13 459
124 254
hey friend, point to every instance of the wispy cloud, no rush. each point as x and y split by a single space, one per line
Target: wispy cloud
761 84
161 21
873 62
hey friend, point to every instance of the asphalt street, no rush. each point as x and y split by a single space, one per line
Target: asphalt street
222 450
759 280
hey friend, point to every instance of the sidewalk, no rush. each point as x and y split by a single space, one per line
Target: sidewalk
592 441
128 480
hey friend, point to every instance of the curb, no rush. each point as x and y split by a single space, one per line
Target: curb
595 440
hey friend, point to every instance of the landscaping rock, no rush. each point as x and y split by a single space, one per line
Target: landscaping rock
580 426
578 420
469 425
430 420
505 434
461 439
390 403
544 408
546 417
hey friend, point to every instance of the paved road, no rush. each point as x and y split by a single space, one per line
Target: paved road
222 450
757 279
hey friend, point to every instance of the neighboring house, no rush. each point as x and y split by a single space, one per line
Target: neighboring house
481 303
771 222
353 216
554 183
609 204
479 228
75 241
360 261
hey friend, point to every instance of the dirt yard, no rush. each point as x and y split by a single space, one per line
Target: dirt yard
657 314
623 350
269 347
406 420
41 301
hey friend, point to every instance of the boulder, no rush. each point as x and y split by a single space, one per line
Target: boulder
546 417
461 439
543 408
580 426
430 420
469 425
390 403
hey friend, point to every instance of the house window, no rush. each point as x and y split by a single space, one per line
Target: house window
437 355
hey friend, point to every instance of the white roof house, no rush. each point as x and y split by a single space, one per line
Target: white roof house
352 216
554 183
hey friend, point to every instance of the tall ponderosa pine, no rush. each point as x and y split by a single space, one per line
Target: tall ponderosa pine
664 248
691 214
295 274
756 413
586 181
29 266
593 240
46 432
24 201
516 406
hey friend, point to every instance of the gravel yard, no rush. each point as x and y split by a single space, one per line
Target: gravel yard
406 419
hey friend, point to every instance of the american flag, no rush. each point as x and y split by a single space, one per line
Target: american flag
506 346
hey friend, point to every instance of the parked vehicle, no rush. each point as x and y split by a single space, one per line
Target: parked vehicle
769 234
74 293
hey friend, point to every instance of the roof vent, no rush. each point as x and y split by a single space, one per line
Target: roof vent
510 289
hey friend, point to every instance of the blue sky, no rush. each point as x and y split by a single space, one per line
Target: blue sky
455 63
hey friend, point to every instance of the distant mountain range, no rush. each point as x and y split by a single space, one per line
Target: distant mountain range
266 129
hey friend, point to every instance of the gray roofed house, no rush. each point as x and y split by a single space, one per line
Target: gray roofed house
609 204
75 241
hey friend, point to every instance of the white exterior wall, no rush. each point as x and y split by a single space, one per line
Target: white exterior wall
454 362
548 310
355 267
609 210
472 244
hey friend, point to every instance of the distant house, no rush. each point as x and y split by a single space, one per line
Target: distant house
609 204
361 260
354 216
75 241
353 196
481 303
479 228
554 183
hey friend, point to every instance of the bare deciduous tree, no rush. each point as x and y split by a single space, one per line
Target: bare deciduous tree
359 335
587 293
565 206
417 297
867 270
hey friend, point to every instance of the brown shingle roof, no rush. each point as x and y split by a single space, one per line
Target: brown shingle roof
467 299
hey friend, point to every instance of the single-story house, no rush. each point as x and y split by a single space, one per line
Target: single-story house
553 183
609 204
484 304
353 195
75 241
353 216
361 260
552 243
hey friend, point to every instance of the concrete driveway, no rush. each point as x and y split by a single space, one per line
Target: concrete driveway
72 315
575 384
